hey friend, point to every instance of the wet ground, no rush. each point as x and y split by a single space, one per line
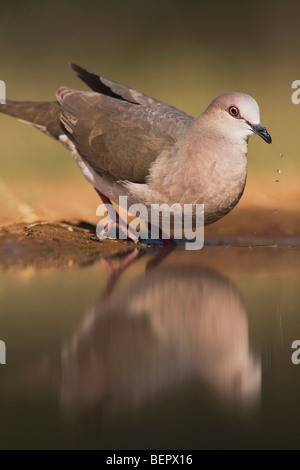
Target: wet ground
45 244
113 347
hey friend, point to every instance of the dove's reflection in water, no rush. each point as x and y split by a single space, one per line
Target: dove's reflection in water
172 324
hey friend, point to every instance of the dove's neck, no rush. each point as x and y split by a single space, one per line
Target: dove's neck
216 168
217 141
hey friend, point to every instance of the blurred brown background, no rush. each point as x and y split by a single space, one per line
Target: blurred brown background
184 53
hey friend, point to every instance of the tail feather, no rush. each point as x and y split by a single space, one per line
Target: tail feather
43 115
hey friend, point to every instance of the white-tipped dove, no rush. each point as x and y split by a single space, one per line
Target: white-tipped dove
128 144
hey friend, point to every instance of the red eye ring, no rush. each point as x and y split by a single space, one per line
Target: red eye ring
234 111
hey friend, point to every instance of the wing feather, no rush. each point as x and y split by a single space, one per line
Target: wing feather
118 138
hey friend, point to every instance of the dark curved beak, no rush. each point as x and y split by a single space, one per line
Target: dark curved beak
262 132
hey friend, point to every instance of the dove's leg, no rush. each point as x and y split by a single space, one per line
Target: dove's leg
110 210
113 214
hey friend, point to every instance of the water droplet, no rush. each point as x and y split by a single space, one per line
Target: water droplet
281 155
275 212
278 171
277 181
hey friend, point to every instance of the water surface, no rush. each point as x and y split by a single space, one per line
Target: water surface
193 352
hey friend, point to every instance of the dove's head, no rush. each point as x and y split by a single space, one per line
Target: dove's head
236 115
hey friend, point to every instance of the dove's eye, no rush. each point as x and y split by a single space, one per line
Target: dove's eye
234 111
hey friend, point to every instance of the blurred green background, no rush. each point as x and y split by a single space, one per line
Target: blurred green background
184 53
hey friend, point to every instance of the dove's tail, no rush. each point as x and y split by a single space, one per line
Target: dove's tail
45 116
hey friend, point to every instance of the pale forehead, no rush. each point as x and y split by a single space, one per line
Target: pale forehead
247 105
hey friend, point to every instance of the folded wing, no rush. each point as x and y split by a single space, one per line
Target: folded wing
119 131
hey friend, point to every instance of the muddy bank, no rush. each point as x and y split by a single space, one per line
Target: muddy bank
46 244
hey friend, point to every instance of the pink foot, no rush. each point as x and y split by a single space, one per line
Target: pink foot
107 227
115 216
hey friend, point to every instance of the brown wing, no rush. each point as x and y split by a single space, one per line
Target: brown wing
120 138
